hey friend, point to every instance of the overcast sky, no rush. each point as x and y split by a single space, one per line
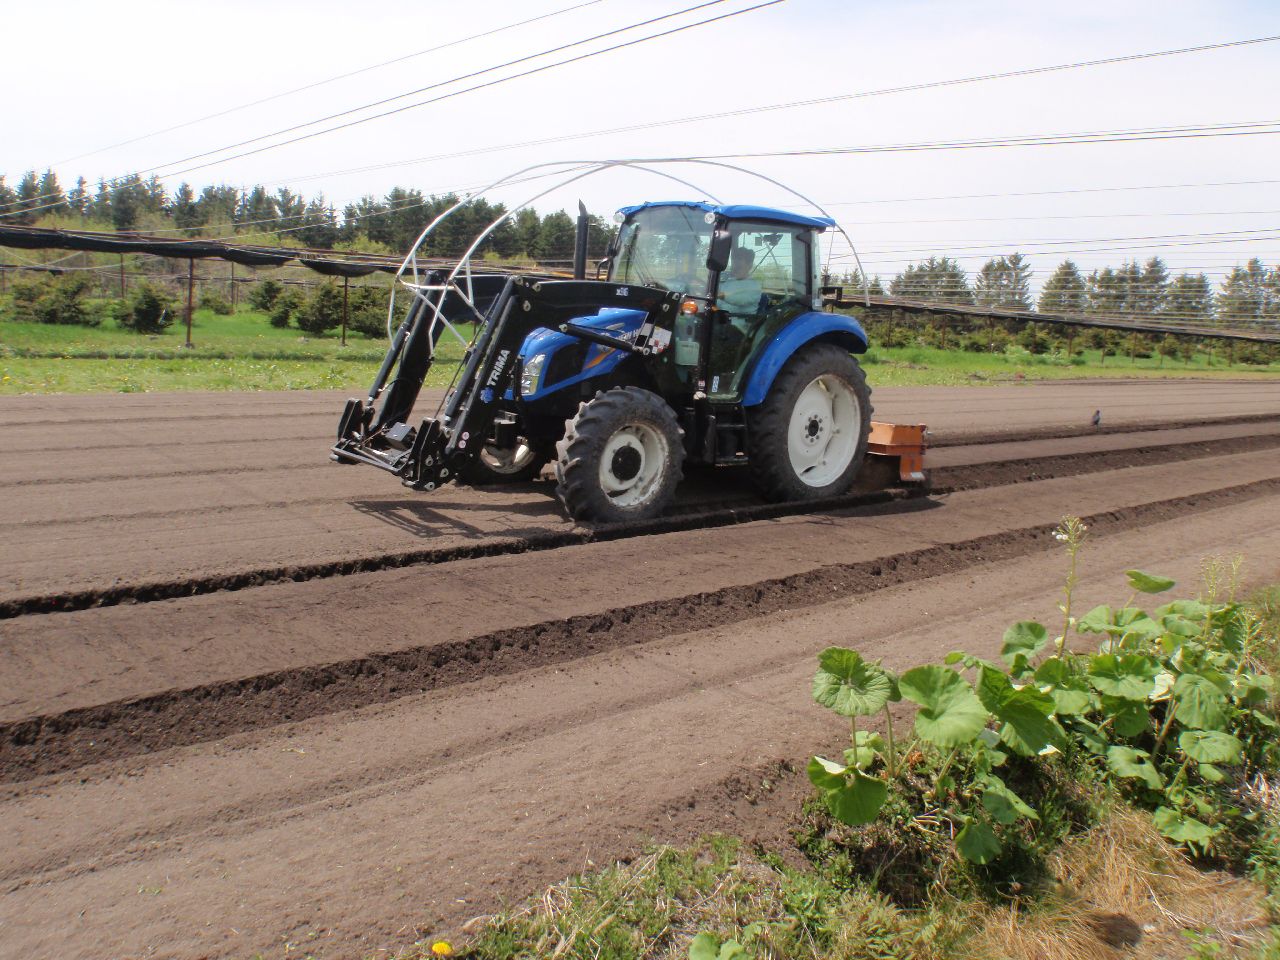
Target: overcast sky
82 76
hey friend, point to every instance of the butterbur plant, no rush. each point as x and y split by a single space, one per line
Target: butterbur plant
1171 706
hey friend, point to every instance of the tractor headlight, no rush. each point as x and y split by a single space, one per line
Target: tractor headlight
531 374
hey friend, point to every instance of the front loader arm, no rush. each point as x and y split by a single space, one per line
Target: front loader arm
431 455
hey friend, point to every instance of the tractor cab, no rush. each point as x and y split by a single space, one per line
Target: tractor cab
745 272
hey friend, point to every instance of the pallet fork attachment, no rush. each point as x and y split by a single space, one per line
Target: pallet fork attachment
429 455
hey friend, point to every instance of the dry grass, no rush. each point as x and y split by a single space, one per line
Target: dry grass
1124 892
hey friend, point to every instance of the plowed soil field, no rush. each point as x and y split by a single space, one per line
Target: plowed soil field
252 702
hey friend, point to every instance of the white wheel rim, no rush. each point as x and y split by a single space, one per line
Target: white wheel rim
506 461
632 464
822 437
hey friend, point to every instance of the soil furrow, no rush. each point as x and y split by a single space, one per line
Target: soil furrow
702 511
49 744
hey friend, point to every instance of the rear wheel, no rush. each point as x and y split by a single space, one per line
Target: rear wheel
620 458
809 437
516 464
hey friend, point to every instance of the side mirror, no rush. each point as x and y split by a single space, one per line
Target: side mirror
721 246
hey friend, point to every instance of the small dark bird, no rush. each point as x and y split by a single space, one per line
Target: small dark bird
1097 419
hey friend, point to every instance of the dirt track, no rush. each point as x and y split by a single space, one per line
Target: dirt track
336 762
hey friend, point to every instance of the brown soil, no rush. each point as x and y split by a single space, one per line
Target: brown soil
339 764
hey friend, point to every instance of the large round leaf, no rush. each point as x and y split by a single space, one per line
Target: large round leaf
1181 828
1149 582
1025 714
1135 765
1129 677
1002 803
950 712
1129 718
1209 746
825 774
849 685
1025 637
977 843
1201 702
859 800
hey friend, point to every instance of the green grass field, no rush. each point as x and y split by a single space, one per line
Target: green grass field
244 352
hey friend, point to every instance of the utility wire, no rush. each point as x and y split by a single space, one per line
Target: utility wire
442 83
820 101
764 109
465 90
333 79
1184 131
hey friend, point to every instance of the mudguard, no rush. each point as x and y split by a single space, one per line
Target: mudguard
806 328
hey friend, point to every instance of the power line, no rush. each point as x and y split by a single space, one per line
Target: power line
759 109
1182 131
1037 140
1067 216
820 101
457 79
333 79
1049 193
471 89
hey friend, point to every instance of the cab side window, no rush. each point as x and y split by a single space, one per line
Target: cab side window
781 260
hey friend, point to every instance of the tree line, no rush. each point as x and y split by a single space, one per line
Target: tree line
1250 294
370 225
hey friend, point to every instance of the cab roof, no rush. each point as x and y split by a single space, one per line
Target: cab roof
739 211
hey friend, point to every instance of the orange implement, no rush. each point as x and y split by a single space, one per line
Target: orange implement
906 442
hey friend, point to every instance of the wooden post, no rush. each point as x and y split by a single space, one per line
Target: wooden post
1231 355
991 335
1208 360
1186 357
1071 337
345 282
191 295
233 286
1133 347
122 286
2 274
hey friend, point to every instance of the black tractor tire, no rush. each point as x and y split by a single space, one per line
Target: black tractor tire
769 426
482 472
626 439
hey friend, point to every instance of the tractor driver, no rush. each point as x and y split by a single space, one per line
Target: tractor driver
739 293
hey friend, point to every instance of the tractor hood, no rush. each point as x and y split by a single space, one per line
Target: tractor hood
567 360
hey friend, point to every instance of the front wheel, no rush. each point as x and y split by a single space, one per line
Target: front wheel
620 459
808 438
495 465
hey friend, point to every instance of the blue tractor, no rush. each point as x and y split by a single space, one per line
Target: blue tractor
702 341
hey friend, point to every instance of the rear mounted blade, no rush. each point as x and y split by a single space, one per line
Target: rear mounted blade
895 457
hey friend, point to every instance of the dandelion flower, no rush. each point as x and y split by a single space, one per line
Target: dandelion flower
442 948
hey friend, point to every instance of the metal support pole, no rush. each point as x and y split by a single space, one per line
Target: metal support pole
345 282
191 295
122 286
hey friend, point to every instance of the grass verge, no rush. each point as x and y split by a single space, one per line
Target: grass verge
244 352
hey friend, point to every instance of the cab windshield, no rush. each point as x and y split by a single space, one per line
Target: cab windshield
664 247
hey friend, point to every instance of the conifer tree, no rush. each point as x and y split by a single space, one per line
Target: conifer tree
1064 292
937 280
1190 297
